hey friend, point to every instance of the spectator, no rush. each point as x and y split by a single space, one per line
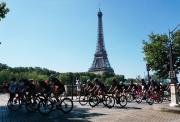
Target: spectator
78 88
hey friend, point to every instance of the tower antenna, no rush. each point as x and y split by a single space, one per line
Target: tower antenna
100 4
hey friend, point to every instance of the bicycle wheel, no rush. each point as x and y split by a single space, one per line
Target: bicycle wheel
160 100
32 105
150 101
14 105
123 100
66 105
104 100
129 97
110 101
138 99
54 102
93 101
83 100
45 107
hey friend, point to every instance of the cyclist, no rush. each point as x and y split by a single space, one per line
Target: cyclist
31 88
156 87
99 87
139 86
131 87
21 89
58 87
45 88
121 87
144 88
114 87
12 88
89 85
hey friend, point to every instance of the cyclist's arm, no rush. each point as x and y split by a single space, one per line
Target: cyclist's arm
97 89
115 88
110 88
93 88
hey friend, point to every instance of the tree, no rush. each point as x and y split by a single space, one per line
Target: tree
176 50
106 75
38 73
3 10
156 51
118 78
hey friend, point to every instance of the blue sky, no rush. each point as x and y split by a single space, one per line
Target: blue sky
61 35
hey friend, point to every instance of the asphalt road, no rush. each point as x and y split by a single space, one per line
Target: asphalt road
132 113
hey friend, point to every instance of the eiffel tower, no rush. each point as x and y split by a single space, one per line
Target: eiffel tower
100 63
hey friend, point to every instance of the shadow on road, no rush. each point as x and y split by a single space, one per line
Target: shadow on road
127 108
22 115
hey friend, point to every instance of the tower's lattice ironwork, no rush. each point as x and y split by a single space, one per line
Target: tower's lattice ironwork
100 62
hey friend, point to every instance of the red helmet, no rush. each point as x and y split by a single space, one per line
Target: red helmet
46 81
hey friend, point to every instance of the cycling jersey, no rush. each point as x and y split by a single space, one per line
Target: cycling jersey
59 87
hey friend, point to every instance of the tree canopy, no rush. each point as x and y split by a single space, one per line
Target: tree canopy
156 51
37 73
3 10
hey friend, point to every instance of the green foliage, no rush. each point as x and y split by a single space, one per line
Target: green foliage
106 75
3 10
67 78
156 51
176 50
108 80
37 73
131 79
6 73
84 78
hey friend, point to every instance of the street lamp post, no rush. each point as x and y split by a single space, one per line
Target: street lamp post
172 74
148 69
